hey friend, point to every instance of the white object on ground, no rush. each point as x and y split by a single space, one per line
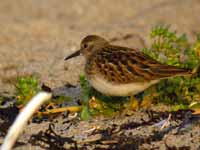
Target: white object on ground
22 119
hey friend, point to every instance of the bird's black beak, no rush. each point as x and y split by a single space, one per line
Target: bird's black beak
77 53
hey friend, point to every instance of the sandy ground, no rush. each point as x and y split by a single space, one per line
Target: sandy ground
36 35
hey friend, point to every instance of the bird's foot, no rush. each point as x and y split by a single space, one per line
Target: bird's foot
134 103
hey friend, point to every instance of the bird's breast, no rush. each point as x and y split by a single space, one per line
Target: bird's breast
112 89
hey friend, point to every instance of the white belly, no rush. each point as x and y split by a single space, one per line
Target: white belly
111 89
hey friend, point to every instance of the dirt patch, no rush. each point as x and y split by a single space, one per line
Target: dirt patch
128 130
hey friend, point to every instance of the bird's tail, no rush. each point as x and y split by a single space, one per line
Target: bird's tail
172 71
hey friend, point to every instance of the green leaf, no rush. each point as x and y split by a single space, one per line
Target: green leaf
26 88
194 105
85 89
85 113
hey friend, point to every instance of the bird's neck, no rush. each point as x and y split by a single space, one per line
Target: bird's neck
94 49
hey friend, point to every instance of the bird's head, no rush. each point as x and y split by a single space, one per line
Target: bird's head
88 45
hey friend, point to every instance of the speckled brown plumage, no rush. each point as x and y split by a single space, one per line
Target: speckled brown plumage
125 65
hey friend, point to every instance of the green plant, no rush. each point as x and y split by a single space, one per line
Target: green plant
26 88
86 91
175 50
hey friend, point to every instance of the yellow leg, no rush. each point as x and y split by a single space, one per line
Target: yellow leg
148 98
134 104
146 102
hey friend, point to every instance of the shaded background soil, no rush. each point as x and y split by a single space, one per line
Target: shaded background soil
36 35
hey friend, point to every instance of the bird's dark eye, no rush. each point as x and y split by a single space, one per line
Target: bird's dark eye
85 45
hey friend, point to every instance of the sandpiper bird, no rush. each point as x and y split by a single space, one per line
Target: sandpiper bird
121 71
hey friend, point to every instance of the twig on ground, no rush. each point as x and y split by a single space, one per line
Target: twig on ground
70 109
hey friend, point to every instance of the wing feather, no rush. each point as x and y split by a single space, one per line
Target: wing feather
125 65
